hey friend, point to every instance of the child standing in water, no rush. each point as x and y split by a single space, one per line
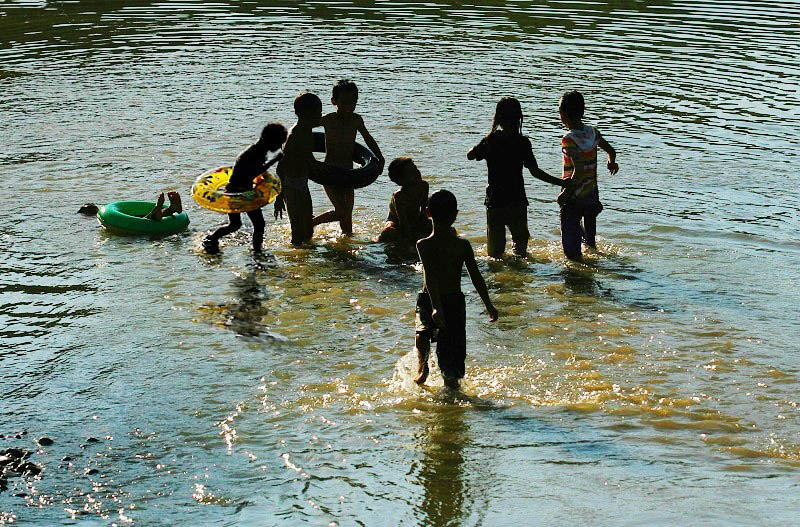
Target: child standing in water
581 201
441 312
297 163
407 220
341 127
249 164
506 151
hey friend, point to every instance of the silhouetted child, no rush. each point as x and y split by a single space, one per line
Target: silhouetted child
297 163
158 212
249 164
506 151
581 200
441 311
407 220
341 127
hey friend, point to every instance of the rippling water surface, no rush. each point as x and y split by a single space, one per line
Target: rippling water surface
655 384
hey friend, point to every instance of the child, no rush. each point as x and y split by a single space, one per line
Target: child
340 137
158 212
407 220
298 161
440 306
506 151
582 199
249 164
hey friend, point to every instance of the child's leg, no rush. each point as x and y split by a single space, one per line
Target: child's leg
495 232
422 343
571 231
342 201
211 242
157 213
300 209
175 205
257 218
451 342
518 225
590 230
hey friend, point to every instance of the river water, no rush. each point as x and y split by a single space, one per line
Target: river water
654 384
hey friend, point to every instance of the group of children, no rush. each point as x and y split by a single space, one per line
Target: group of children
414 217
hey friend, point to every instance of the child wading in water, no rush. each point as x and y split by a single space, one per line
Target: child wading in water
441 312
297 163
249 164
582 199
506 151
407 220
341 127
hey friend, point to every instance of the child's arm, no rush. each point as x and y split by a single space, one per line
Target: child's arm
613 167
479 151
478 281
371 144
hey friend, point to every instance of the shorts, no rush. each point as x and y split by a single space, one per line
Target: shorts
451 340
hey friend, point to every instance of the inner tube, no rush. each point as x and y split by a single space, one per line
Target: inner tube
209 191
368 171
128 217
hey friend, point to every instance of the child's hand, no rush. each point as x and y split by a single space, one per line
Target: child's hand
493 314
613 167
438 318
280 206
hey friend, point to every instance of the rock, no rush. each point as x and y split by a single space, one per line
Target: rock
91 471
66 458
45 441
92 440
16 453
30 469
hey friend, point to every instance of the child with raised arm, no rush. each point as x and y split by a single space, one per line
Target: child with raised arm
249 164
297 163
407 221
440 311
581 200
341 127
506 151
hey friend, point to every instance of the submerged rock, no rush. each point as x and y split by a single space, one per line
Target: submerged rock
45 441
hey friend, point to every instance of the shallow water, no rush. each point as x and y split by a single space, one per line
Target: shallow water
654 384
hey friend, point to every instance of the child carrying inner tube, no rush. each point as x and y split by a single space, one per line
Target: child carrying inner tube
249 164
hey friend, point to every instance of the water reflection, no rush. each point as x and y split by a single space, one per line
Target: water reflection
442 473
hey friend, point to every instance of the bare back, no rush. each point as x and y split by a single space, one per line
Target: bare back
298 157
443 260
340 137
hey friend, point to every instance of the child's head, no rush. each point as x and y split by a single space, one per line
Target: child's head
273 136
571 107
443 207
508 115
308 106
345 95
403 171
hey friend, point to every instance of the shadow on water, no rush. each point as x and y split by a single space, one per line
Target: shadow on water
441 471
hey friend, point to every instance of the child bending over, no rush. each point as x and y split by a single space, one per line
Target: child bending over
407 220
249 164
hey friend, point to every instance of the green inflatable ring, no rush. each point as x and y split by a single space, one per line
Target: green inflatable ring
128 217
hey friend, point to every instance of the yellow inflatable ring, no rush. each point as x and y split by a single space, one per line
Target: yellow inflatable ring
209 191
